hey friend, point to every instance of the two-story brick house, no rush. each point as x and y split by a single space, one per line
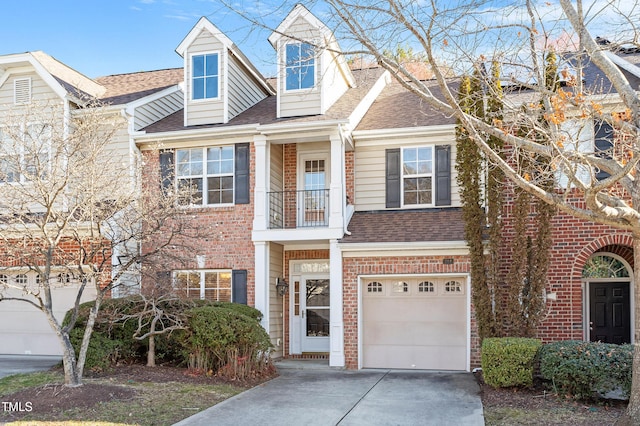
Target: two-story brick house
339 185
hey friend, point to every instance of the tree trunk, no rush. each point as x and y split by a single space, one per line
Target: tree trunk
632 416
88 330
151 353
71 377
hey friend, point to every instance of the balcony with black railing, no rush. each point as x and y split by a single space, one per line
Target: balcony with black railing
298 209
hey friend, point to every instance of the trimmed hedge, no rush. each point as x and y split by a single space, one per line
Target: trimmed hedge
585 370
112 341
224 340
509 361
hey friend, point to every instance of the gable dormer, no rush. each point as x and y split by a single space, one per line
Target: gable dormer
312 72
219 81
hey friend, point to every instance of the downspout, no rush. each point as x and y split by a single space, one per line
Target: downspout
344 181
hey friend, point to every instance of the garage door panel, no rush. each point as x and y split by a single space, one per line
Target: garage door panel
424 330
25 330
416 357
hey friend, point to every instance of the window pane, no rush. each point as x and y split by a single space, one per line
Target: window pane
213 154
410 198
306 77
226 166
292 79
212 87
198 66
198 88
293 54
227 196
306 53
227 153
212 64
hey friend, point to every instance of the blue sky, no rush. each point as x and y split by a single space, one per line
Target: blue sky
101 37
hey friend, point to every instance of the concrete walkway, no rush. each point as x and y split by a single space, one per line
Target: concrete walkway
14 364
307 395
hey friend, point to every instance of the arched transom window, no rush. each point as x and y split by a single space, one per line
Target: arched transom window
604 266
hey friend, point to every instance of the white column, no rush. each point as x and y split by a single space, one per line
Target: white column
262 281
336 193
336 349
262 182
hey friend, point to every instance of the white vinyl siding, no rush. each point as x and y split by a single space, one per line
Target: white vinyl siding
277 168
244 92
205 111
370 170
276 317
302 102
40 91
158 109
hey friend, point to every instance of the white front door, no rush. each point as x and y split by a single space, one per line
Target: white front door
313 200
314 314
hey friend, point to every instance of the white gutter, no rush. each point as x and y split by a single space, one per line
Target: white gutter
404 131
188 134
403 246
305 125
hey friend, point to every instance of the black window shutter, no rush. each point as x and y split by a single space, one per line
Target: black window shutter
603 142
166 169
443 175
242 173
239 286
392 177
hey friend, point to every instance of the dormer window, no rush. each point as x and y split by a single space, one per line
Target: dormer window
205 76
300 66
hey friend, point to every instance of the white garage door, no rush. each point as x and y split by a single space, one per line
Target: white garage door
25 329
415 323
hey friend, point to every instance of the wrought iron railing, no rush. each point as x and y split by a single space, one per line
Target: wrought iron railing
298 209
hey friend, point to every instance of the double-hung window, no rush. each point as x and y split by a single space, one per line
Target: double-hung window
299 66
417 176
204 284
207 173
205 76
25 152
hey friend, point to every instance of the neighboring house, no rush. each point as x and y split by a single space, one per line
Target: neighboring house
35 80
340 186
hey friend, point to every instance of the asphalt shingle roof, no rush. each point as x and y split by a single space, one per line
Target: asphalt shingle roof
125 88
404 226
264 112
396 107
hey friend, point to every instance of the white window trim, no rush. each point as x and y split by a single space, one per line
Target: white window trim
21 153
205 175
581 133
315 68
190 81
403 176
202 273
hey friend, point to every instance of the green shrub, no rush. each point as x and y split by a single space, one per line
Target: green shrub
223 340
585 369
509 361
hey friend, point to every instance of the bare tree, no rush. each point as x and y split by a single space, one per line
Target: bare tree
69 201
468 35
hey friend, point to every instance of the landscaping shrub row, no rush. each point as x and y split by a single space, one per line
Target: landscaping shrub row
217 337
582 370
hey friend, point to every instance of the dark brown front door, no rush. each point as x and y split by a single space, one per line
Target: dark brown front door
610 317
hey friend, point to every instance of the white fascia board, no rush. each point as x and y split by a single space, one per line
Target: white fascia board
299 11
623 63
361 109
131 106
39 69
177 135
426 248
361 136
248 65
202 24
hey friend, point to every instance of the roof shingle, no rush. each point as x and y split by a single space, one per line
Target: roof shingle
404 226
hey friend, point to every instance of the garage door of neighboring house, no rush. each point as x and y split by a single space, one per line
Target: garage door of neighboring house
25 329
415 323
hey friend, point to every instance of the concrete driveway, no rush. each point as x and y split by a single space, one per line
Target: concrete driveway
14 364
338 397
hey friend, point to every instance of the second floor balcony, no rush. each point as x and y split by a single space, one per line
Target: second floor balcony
298 209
